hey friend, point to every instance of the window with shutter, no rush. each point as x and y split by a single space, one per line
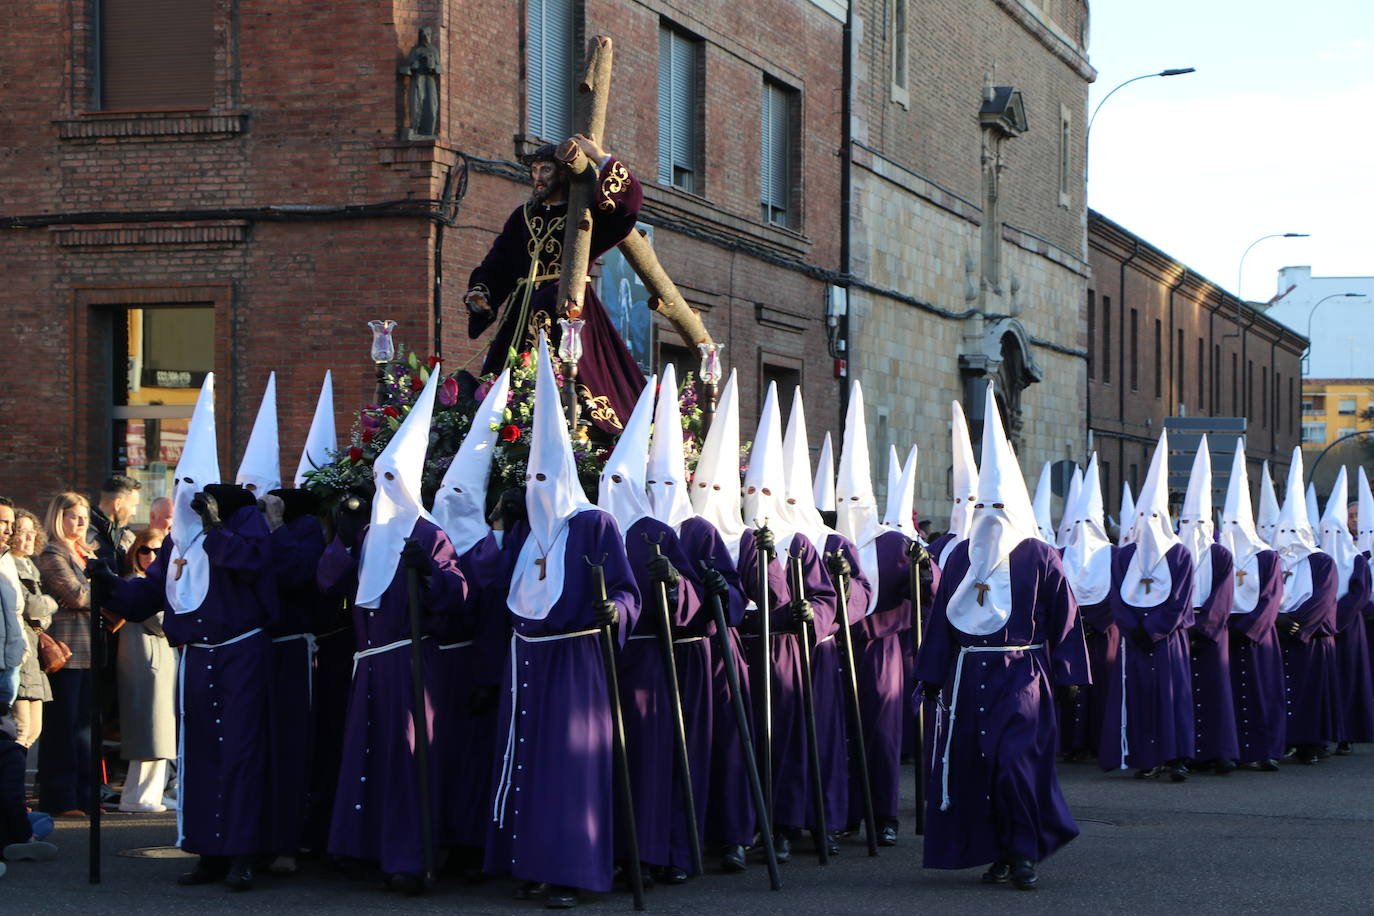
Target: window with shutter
549 68
678 155
156 55
776 159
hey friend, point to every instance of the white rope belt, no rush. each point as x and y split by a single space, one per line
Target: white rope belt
378 650
1125 743
954 704
554 637
455 645
642 636
310 649
227 642
686 639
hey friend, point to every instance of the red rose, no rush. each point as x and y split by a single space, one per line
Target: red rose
367 436
510 433
448 392
390 411
416 384
355 454
433 360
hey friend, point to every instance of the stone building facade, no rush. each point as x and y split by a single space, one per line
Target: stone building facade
969 253
253 198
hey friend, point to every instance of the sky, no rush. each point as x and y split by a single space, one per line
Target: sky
1272 134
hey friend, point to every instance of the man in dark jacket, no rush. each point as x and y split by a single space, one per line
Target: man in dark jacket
109 532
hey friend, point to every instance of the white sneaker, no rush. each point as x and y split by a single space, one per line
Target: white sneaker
32 851
141 808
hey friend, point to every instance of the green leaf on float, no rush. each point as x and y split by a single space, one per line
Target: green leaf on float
412 362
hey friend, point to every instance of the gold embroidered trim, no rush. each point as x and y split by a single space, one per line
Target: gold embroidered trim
615 181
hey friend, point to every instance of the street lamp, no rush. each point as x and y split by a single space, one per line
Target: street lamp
1307 353
1177 71
1240 271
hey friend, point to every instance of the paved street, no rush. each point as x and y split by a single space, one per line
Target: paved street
1291 841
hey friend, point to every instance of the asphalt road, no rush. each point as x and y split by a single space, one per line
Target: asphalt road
1296 841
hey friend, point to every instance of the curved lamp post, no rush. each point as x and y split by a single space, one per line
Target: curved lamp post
1176 71
1240 271
1307 353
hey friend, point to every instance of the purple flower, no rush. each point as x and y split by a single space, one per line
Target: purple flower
448 392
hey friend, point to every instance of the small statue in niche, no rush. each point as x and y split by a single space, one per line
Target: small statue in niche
423 68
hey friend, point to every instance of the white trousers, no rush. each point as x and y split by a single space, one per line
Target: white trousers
145 783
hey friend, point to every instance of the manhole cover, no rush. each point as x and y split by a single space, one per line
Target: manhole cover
156 852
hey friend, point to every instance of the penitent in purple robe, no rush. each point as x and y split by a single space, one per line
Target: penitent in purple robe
647 705
1214 710
1309 660
936 549
1257 666
1082 716
832 692
226 667
791 774
332 626
1159 721
1003 790
296 550
529 290
1352 659
882 676
553 797
377 803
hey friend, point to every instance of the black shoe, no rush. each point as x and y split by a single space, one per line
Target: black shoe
997 873
832 844
1023 876
1343 749
1323 752
409 884
782 846
207 871
240 877
1178 772
1269 766
1147 774
1307 754
531 890
622 875
887 835
561 897
669 874
1223 766
732 858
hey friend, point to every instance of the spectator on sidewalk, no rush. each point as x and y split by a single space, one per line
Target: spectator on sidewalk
12 644
108 532
25 543
21 831
160 515
147 668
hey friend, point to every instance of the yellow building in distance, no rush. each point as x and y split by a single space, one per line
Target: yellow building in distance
1335 407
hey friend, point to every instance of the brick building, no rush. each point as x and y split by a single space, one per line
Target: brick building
969 253
1165 342
210 185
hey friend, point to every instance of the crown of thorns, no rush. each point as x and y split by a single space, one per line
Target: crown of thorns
546 153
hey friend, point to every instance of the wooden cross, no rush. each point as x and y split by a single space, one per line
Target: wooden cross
179 562
983 589
1240 577
542 563
1147 582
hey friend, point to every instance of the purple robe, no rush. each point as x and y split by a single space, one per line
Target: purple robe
296 550
832 693
791 768
1082 715
553 798
908 641
1004 794
1257 681
226 667
882 675
1159 721
377 803
606 370
1214 708
332 626
1352 659
1309 660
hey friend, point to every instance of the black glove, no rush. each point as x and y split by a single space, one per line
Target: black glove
929 689
661 570
764 540
802 611
1287 626
605 613
102 580
350 519
416 557
1088 629
1140 638
838 565
511 506
483 700
205 505
716 585
916 552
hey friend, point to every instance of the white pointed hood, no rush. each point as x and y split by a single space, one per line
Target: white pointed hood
669 498
1239 536
801 499
1267 520
1293 538
823 492
856 506
197 467
322 440
553 495
396 506
1314 513
1087 549
623 485
1195 527
1147 580
1075 490
1126 522
765 480
260 470
901 500
1336 540
1365 524
460 505
965 476
716 484
1041 504
1003 517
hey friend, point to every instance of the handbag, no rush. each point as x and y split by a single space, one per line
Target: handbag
53 654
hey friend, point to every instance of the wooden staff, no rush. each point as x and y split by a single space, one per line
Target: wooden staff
918 556
807 642
622 759
420 723
856 720
764 557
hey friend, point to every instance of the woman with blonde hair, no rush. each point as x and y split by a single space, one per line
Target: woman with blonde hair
25 543
146 668
64 756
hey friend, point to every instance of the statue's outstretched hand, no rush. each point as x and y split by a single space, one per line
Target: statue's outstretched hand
590 148
476 302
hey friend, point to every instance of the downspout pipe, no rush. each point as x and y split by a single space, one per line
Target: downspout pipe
1122 374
